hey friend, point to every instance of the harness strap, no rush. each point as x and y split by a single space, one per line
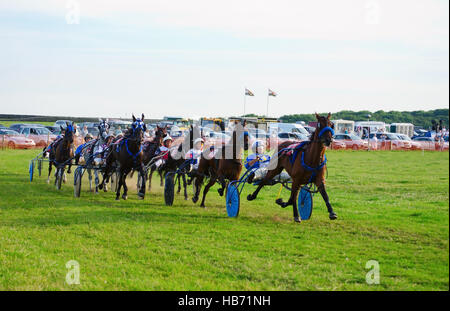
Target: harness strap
134 155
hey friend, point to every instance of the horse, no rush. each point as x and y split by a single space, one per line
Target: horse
305 165
222 169
128 153
61 152
94 152
176 158
150 149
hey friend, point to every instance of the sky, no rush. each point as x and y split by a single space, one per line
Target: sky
111 58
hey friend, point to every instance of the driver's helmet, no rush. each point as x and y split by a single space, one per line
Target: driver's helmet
257 144
167 138
88 137
198 140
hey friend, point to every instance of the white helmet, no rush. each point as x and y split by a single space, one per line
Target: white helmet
257 144
167 138
198 140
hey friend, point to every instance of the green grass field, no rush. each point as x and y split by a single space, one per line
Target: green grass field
393 207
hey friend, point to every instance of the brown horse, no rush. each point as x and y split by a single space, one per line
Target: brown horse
150 149
307 167
176 158
61 152
222 167
128 153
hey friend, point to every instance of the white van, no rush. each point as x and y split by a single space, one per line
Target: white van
275 128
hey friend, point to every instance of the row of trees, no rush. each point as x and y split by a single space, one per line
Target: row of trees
418 118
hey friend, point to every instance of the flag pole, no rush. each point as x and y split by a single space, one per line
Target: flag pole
267 110
245 99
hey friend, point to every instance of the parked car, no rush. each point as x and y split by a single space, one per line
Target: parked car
352 141
389 141
426 143
409 143
62 123
16 126
13 140
40 135
338 144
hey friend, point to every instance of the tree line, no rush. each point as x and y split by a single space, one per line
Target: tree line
418 118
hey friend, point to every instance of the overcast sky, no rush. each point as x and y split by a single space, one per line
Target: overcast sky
194 58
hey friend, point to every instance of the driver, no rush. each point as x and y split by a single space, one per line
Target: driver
167 143
80 148
195 154
260 162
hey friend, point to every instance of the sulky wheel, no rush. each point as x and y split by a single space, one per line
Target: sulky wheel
233 201
77 182
31 170
59 178
305 204
169 189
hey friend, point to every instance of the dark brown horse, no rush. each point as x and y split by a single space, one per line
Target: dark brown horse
128 154
225 166
61 152
307 167
150 149
176 158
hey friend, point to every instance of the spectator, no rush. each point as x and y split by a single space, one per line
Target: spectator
118 131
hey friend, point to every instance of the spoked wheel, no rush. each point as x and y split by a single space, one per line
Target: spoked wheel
233 201
59 178
77 181
169 188
305 204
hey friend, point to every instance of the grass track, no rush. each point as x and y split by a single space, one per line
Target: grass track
393 207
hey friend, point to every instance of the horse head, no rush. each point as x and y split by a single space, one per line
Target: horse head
324 131
69 131
160 133
103 128
138 128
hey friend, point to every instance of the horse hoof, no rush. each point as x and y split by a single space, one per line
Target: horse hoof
141 195
202 206
124 197
281 203
117 198
297 220
250 197
333 216
194 200
220 192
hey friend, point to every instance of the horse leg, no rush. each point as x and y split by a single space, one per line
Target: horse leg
120 177
125 188
212 181
179 183
270 174
161 180
293 199
150 178
324 194
90 179
185 187
198 183
49 171
141 192
223 184
97 180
